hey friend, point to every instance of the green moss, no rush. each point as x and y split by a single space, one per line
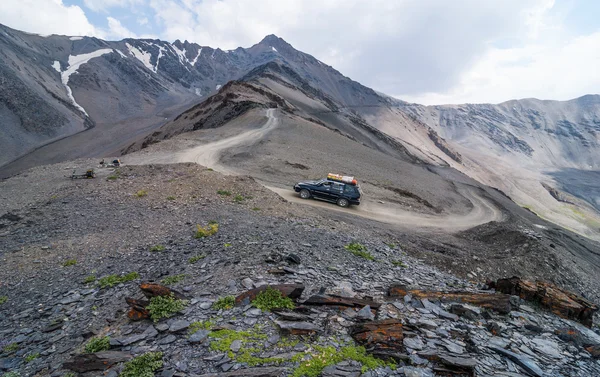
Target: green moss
141 193
3 299
206 231
224 303
156 248
97 344
287 343
196 258
359 250
256 209
174 279
11 374
165 307
223 338
200 325
112 280
321 357
143 366
223 193
70 262
32 356
399 263
89 279
246 356
227 244
10 348
270 299
69 374
238 198
170 197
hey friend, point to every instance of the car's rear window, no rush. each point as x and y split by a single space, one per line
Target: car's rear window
349 189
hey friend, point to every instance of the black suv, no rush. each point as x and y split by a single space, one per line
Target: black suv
333 191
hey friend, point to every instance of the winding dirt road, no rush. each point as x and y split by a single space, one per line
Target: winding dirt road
210 154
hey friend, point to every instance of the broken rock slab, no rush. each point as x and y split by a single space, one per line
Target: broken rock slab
559 301
297 328
323 299
524 362
96 361
152 290
494 301
292 291
384 334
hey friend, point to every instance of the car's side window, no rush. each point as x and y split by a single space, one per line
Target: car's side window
338 187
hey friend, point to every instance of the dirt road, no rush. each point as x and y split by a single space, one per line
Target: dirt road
482 212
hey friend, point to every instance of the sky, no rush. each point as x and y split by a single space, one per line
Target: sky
424 51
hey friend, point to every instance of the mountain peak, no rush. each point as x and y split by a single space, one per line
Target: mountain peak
274 41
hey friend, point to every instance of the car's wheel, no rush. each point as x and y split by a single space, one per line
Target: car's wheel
343 202
304 194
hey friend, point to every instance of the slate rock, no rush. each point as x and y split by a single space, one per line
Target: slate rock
178 325
199 336
365 314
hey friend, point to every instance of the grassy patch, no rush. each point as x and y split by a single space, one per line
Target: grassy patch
200 325
89 279
238 198
112 280
10 348
143 366
359 250
206 231
224 303
170 197
3 299
196 258
270 299
321 357
97 345
164 307
391 245
11 374
174 279
70 262
227 244
156 248
224 193
399 263
256 209
116 175
32 356
141 193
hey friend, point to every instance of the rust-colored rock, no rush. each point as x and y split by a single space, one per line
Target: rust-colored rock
152 290
559 301
297 328
384 334
494 301
322 299
96 361
292 291
594 351
137 309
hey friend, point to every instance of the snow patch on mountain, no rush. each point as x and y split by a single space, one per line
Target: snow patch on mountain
180 53
56 66
121 53
193 62
198 92
142 56
76 61
75 38
160 55
218 87
274 49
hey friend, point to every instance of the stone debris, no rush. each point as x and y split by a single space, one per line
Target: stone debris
96 361
559 301
292 291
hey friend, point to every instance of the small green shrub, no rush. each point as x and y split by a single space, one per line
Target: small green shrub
200 325
399 263
141 193
143 366
3 299
70 262
89 279
170 197
164 307
32 356
112 280
11 374
156 248
224 303
270 299
359 250
10 348
238 198
97 344
227 244
223 193
174 279
206 231
196 258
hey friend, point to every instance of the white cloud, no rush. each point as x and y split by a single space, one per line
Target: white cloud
105 5
117 31
46 17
